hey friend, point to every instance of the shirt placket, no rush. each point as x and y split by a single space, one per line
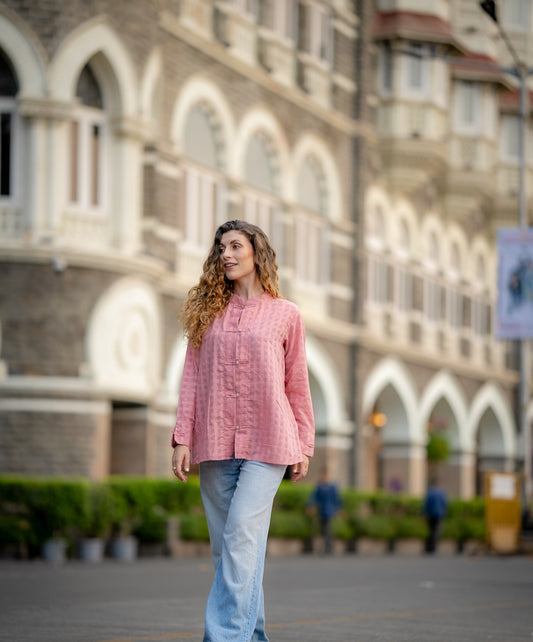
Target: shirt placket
240 382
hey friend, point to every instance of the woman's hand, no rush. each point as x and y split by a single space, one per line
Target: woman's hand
299 471
181 461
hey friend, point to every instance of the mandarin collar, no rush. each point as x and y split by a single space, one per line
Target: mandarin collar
235 299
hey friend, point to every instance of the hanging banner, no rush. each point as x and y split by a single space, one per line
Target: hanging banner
514 319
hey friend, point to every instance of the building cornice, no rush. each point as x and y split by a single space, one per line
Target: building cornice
61 259
437 361
411 25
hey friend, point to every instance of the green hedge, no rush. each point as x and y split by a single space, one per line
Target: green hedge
33 510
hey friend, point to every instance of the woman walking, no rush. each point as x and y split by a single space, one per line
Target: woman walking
244 414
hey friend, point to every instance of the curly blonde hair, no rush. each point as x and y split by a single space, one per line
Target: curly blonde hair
211 296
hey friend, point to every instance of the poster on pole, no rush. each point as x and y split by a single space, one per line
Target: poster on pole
514 319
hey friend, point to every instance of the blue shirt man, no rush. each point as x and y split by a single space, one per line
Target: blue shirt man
434 508
326 498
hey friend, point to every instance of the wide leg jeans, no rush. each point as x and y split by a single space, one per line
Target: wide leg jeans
238 496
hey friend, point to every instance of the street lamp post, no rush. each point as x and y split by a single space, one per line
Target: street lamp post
521 72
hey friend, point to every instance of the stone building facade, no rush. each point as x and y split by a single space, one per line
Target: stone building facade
359 135
444 181
133 130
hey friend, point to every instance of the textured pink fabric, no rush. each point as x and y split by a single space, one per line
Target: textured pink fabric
245 391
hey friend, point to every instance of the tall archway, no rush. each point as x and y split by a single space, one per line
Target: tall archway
389 442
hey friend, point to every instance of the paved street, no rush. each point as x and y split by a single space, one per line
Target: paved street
311 598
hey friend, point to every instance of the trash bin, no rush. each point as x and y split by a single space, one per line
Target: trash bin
502 511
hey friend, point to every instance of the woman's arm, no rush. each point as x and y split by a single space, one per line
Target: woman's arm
297 387
186 413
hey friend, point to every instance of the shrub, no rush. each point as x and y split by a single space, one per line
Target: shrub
194 528
376 527
343 529
463 528
437 448
407 526
292 496
175 497
461 508
99 511
352 501
33 510
152 528
39 509
291 524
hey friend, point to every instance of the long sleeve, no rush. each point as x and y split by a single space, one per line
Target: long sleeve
297 384
184 427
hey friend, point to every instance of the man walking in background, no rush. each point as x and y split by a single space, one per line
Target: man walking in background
326 500
434 508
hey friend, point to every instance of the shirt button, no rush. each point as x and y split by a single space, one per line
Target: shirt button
240 329
237 394
236 427
237 362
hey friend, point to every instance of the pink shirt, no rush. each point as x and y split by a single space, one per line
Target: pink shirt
245 392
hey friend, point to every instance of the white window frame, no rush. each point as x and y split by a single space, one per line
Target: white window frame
386 68
8 106
455 307
509 126
432 299
417 63
264 211
320 34
312 264
480 315
248 7
403 288
285 19
205 205
377 280
468 107
516 14
87 167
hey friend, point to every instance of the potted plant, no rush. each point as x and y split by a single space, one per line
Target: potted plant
96 524
126 511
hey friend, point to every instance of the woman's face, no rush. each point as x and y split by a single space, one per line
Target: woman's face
237 256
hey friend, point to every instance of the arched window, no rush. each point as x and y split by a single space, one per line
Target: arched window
200 141
260 171
312 192
89 134
311 224
205 201
8 128
260 198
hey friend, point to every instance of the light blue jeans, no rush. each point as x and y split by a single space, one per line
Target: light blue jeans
238 496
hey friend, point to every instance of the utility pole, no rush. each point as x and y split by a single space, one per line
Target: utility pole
521 72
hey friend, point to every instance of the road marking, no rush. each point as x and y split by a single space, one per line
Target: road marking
338 620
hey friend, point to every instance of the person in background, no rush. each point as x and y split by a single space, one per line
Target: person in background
434 507
326 501
244 415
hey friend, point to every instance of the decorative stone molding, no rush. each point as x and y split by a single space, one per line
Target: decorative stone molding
278 57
